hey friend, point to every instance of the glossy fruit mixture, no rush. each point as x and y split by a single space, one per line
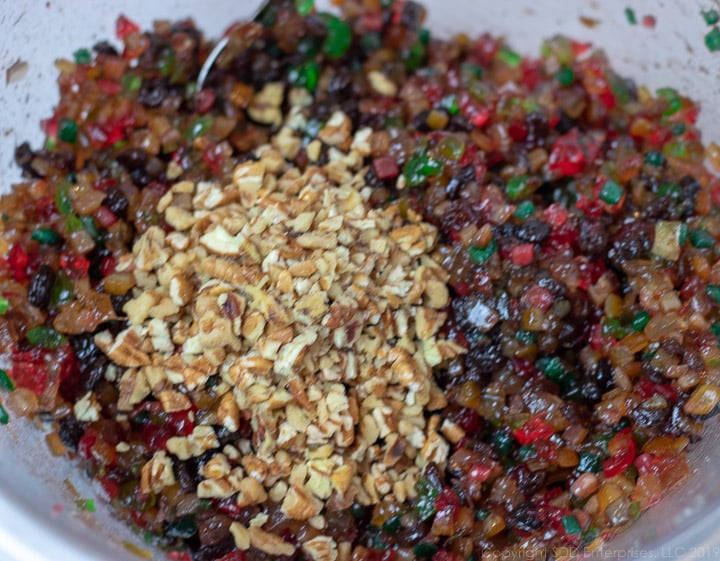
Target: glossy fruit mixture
578 224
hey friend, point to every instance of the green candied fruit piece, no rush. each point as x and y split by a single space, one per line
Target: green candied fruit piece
82 56
517 187
511 58
44 336
711 17
713 290
338 38
198 127
418 168
131 83
640 320
570 524
304 7
566 76
524 210
451 148
552 368
4 305
702 239
425 549
712 40
46 236
305 75
630 16
654 158
588 461
6 383
62 291
4 417
67 130
62 198
611 193
480 255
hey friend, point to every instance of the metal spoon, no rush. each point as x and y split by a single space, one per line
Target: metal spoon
222 43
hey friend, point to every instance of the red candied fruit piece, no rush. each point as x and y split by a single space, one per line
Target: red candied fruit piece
523 255
109 87
105 217
50 126
447 505
525 368
518 131
624 458
111 488
214 155
485 48
385 167
107 266
17 259
461 288
537 297
555 215
104 183
659 137
125 26
204 100
75 266
480 472
566 155
380 554
86 442
589 207
532 73
535 429
469 420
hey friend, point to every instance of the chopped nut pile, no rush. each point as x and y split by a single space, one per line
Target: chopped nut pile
320 316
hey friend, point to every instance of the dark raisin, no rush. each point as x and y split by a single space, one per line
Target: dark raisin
184 476
105 48
646 417
152 93
70 431
40 286
565 123
213 529
412 15
118 302
200 552
538 129
23 157
526 518
593 236
116 202
632 241
459 122
132 158
420 121
91 361
528 482
140 177
534 231
96 257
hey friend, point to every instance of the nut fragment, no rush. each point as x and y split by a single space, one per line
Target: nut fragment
270 543
321 548
157 474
